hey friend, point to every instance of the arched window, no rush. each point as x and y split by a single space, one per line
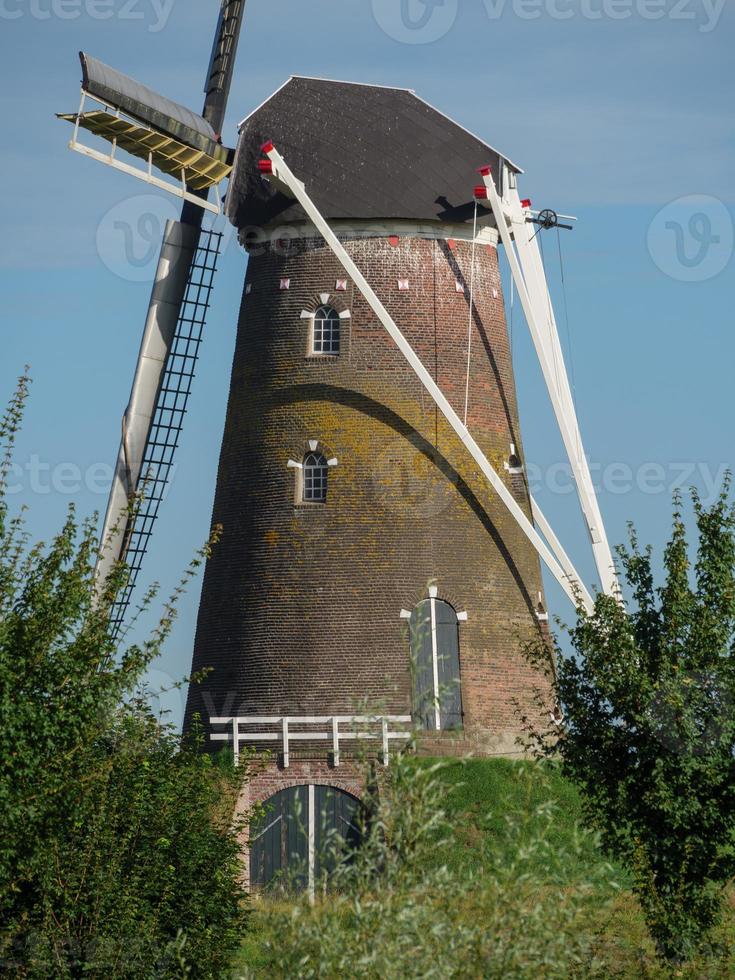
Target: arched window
301 834
435 661
315 478
325 336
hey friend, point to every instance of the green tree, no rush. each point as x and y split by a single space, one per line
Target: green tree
118 854
648 731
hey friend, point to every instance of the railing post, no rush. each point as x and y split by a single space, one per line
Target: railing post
284 730
76 121
384 725
335 740
236 740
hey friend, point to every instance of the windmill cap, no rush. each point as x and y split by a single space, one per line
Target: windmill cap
364 153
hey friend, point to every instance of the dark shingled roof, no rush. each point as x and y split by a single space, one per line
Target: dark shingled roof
364 152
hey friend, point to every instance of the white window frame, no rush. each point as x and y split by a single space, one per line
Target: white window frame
311 316
433 598
314 448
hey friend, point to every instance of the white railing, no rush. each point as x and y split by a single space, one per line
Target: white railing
321 728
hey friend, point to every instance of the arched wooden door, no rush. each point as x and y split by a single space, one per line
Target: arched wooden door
292 843
435 660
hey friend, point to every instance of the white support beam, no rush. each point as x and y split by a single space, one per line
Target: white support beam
236 741
147 176
284 736
532 267
283 175
527 272
525 237
335 742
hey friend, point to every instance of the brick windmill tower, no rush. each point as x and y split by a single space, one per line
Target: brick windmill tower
366 558
350 508
379 569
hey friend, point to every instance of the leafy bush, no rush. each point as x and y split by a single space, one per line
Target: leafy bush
649 727
118 857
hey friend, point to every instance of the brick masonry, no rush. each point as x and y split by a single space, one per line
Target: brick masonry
300 610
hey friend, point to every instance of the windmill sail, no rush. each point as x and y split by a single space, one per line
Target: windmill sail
177 310
168 136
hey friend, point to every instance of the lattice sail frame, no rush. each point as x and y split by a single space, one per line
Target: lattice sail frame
168 416
195 169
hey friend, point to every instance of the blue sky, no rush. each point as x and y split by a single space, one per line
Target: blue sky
619 111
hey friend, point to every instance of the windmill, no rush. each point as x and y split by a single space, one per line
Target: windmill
381 543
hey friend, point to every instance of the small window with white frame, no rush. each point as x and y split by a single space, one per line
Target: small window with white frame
325 334
314 478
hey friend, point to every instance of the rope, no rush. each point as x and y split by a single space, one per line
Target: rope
512 297
570 348
549 318
469 324
566 319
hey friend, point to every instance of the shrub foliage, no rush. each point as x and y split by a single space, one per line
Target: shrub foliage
648 699
117 855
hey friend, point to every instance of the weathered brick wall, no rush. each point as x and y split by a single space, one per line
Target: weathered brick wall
301 603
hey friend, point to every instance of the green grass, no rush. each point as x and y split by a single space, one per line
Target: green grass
484 793
488 797
495 807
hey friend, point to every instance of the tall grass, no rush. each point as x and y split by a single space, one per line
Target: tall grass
471 869
407 905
